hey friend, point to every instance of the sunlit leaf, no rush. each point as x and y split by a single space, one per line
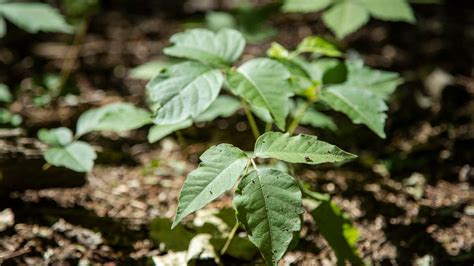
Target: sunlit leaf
78 156
318 45
34 17
268 203
264 83
305 5
298 149
345 17
381 83
55 137
216 21
184 91
116 117
362 106
221 48
148 70
220 167
394 10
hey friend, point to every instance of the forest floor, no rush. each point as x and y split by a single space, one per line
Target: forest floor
409 195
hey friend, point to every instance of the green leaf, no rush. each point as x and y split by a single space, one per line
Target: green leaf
7 117
116 117
5 95
261 113
338 231
216 21
78 156
318 120
362 106
268 203
55 137
393 10
328 70
301 81
224 106
221 48
34 17
277 51
184 91
264 83
345 17
157 132
381 83
305 5
148 70
220 167
298 149
318 45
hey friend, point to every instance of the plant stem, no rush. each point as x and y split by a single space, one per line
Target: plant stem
253 124
253 164
230 237
268 127
296 120
181 139
72 54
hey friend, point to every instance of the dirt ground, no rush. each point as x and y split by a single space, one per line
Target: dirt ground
410 195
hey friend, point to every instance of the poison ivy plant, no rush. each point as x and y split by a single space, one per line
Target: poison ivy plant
346 16
32 17
268 201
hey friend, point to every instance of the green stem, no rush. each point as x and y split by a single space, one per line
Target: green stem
181 139
253 124
296 120
268 127
230 237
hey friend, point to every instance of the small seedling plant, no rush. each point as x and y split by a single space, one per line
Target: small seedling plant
284 85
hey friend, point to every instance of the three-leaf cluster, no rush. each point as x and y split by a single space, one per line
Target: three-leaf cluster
268 201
